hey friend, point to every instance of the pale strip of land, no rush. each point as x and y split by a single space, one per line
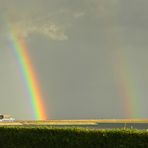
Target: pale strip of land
72 122
10 123
91 121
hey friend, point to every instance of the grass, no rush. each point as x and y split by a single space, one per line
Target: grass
51 137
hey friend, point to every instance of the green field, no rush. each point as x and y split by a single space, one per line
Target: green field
51 137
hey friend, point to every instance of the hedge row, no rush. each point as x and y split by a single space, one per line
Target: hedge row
48 137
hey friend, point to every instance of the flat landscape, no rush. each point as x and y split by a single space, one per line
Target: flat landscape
95 124
73 122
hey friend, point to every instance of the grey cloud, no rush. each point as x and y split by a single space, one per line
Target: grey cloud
46 28
78 14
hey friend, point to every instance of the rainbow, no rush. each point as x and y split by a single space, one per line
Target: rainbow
27 70
127 85
124 74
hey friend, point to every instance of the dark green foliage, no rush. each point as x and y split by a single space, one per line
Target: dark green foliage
48 137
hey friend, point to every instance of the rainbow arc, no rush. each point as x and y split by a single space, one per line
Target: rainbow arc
29 75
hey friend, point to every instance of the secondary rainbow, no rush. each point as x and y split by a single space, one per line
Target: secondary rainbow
20 49
127 85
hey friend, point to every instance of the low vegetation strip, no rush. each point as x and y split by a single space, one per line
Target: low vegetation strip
45 137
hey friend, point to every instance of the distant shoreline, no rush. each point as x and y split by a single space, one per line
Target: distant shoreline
72 122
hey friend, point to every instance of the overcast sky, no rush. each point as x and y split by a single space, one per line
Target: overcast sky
80 50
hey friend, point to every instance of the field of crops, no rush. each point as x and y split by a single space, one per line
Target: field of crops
47 136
